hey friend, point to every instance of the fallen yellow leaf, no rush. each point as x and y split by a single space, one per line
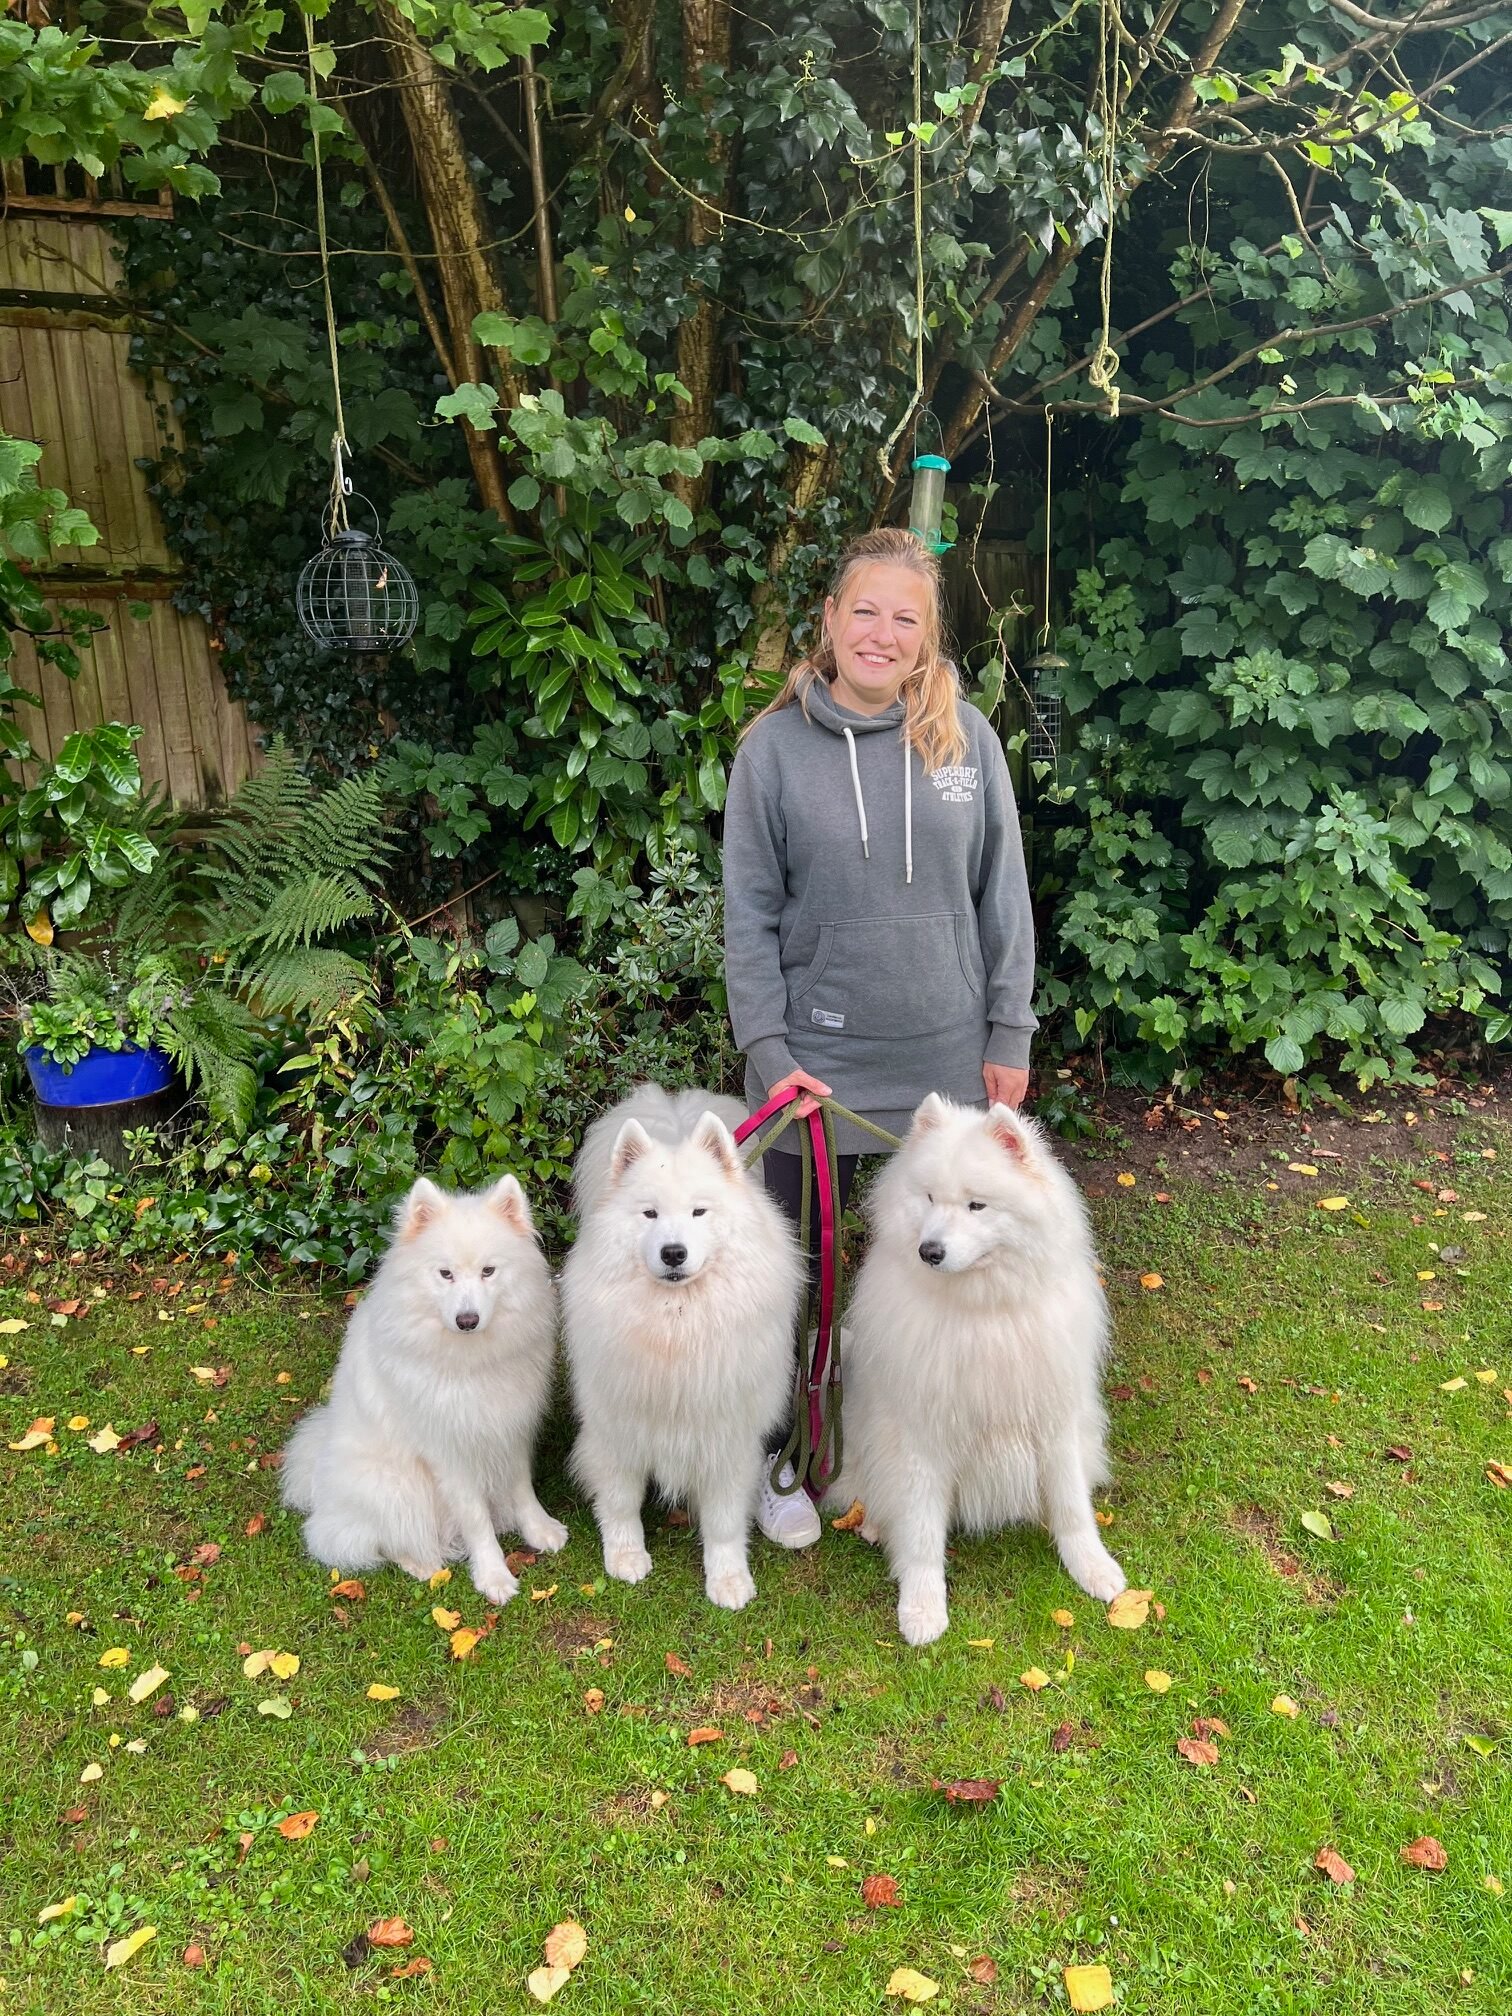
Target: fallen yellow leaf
545 1982
1130 1608
440 1579
1302 1168
256 1663
445 1620
1426 1274
121 1951
116 1656
1158 1682
1126 1180
90 1773
566 1944
1448 1386
1333 1203
1089 1988
380 1691
1063 1618
64 1910
981 1644
1487 1375
105 1441
462 1642
1034 1679
39 1432
1284 1705
284 1665
1152 1281
911 1986
741 1781
836 1862
78 1423
544 1595
13 1325
99 1697
146 1683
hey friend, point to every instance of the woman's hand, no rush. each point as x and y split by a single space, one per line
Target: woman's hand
804 1107
1006 1084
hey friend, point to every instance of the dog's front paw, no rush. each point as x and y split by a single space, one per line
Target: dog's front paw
546 1536
494 1584
1095 1570
627 1564
922 1615
732 1589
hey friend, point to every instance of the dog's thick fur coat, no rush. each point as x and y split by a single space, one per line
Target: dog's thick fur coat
975 1343
423 1451
679 1301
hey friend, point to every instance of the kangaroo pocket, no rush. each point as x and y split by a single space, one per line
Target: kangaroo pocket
890 977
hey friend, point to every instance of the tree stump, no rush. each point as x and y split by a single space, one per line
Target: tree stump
100 1131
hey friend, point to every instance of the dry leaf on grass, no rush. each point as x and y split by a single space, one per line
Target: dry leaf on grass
444 1619
968 1791
546 1981
117 1655
566 1944
851 1520
1196 1750
1152 1281
351 1591
1499 1474
593 1700
1156 1681
697 1736
146 1683
1064 1618
743 1782
120 1952
1333 1865
297 1826
390 1932
880 1893
909 1985
1425 1853
193 1955
1089 1988
90 1773
1130 1608
679 1666
1284 1705
983 1969
411 1969
381 1691
462 1642
1034 1679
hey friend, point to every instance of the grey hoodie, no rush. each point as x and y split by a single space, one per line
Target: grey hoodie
877 922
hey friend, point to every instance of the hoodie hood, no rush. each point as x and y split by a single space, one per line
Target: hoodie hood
826 713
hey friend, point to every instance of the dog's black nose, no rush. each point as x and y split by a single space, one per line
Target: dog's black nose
467 1319
931 1252
673 1256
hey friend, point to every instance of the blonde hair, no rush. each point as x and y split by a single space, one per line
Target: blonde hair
931 693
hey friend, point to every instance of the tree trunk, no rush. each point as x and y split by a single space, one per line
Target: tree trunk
812 473
460 230
706 45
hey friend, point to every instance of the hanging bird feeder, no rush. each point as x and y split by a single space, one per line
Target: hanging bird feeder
926 508
351 596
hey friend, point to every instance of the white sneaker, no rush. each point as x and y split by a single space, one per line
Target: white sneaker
789 1521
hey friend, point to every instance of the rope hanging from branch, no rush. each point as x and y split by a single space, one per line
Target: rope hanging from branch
1102 371
341 483
885 454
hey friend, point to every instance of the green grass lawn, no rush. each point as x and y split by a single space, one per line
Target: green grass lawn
486 1802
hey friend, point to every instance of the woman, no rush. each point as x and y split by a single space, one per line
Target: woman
878 936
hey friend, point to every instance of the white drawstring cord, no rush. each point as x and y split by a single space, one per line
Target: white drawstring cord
850 743
907 806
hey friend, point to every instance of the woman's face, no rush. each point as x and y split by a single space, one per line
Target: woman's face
876 629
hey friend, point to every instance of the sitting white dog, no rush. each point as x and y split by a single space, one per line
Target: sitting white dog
679 1302
423 1452
975 1342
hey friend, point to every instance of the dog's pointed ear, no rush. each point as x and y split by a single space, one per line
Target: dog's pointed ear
711 1134
423 1204
631 1142
510 1202
929 1114
1009 1131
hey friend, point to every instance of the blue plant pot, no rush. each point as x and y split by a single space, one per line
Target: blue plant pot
101 1077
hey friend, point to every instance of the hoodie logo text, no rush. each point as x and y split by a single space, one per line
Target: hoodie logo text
956 783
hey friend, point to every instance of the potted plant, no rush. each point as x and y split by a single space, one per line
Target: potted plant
91 1040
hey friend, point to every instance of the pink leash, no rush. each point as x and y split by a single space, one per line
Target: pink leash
813 1398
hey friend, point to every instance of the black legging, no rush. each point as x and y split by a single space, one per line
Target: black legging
783 1176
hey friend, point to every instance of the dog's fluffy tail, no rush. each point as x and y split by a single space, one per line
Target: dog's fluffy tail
666 1116
301 1452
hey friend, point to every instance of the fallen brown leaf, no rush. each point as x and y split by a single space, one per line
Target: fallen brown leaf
1425 1853
983 1969
193 1956
1196 1750
1061 1740
679 1666
1333 1865
390 1932
411 1969
566 1944
968 1791
697 1736
880 1893
297 1826
256 1524
852 1520
351 1591
787 1760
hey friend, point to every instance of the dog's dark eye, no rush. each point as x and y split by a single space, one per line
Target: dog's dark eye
648 1214
974 1206
446 1273
700 1211
488 1273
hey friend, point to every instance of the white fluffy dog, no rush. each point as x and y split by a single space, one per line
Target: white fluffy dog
975 1339
679 1302
423 1451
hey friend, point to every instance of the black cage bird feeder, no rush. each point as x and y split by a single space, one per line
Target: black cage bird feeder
352 595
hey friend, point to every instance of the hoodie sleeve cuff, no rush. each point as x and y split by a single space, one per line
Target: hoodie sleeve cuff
1009 1046
771 1059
